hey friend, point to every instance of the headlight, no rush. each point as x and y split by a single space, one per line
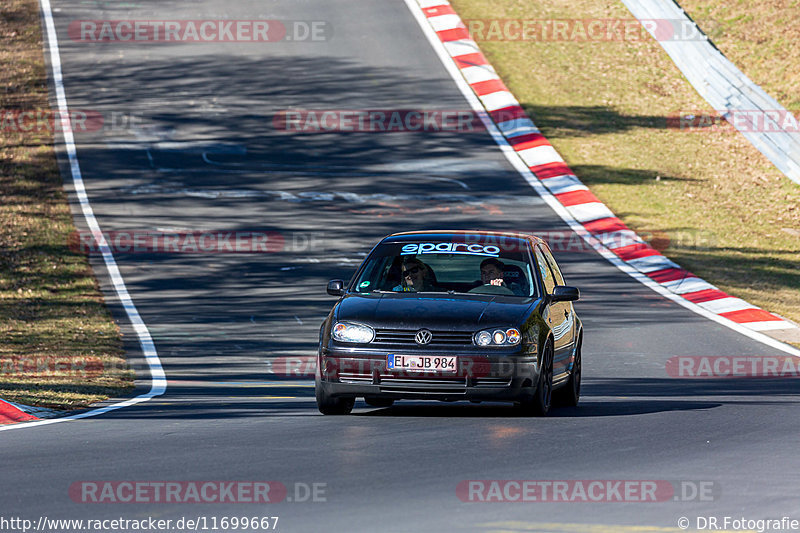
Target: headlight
497 337
512 336
484 338
349 332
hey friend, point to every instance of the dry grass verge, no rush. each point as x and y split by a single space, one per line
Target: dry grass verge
58 344
761 37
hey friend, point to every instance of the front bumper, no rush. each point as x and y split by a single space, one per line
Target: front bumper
477 377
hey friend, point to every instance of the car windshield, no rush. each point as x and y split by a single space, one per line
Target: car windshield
449 266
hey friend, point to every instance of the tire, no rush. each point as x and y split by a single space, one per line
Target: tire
570 394
539 404
379 402
329 405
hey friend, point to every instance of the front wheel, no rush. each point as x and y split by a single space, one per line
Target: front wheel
327 404
570 394
539 403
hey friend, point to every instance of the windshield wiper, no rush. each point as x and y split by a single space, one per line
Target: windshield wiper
439 292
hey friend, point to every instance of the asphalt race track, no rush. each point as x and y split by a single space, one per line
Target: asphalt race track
202 154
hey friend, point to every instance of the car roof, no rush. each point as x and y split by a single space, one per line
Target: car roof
445 235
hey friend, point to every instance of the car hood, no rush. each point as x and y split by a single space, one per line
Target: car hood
434 311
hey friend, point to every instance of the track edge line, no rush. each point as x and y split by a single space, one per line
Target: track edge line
158 381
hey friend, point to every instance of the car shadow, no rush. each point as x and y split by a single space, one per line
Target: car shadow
605 397
589 409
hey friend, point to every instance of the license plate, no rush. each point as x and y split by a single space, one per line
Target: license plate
421 363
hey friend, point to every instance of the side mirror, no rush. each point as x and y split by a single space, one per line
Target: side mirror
562 293
336 287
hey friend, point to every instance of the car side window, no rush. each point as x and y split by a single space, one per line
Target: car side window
544 271
554 266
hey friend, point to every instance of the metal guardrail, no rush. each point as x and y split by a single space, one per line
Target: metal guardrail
725 87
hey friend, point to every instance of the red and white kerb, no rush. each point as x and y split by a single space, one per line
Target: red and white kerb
551 170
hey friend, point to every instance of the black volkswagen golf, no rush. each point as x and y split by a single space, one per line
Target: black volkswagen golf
477 316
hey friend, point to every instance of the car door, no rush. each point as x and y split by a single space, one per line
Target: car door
560 315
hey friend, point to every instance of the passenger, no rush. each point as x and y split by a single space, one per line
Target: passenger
416 277
492 272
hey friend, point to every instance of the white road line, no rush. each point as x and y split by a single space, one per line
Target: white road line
158 380
462 47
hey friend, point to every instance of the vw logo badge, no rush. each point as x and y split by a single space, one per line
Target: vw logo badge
423 336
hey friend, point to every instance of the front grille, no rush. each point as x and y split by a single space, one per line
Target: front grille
492 382
423 383
430 385
405 337
355 377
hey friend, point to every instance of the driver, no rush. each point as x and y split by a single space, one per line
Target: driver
416 277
